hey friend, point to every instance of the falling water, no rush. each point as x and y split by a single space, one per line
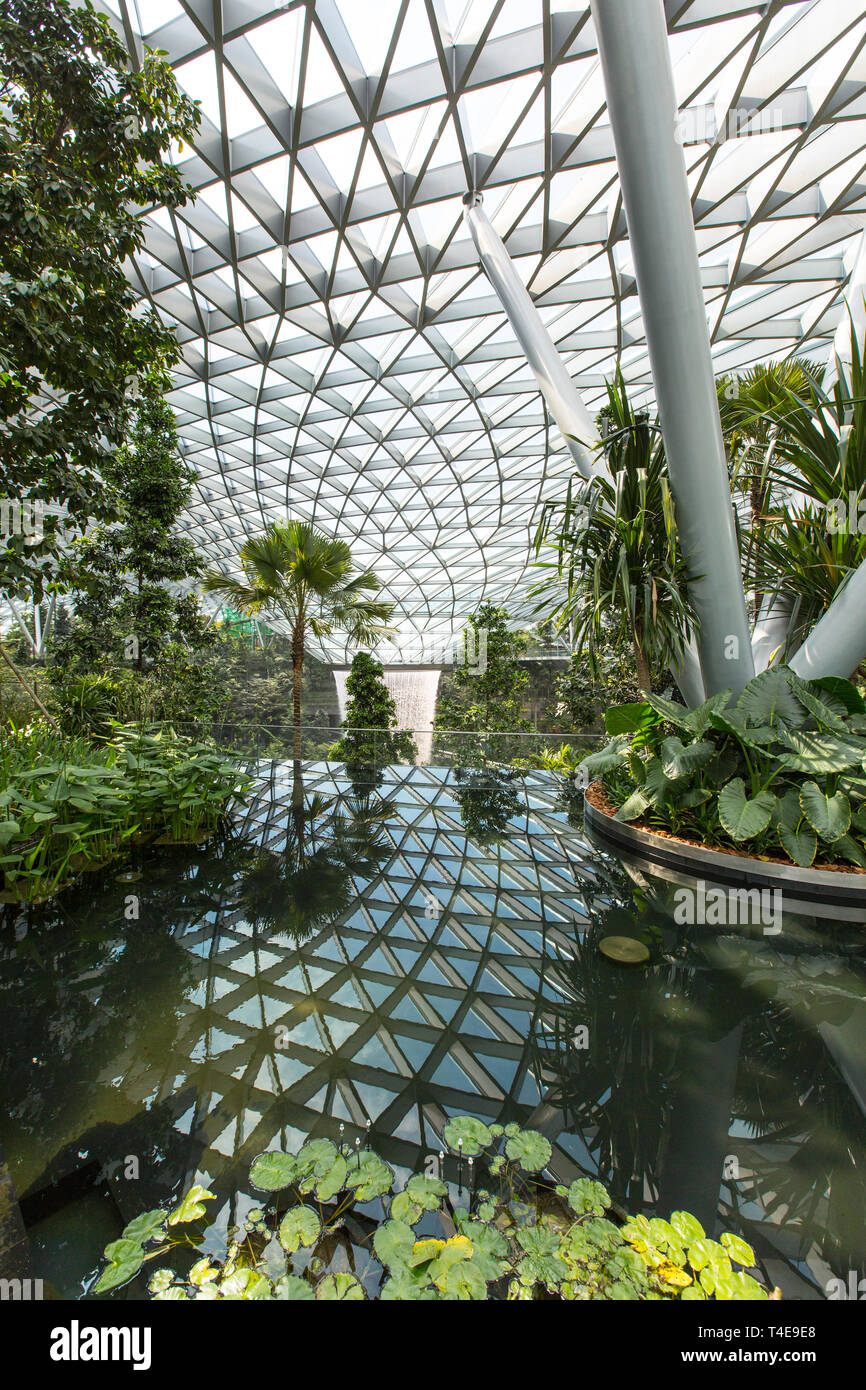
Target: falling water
414 693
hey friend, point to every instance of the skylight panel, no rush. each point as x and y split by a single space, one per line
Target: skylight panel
321 79
278 44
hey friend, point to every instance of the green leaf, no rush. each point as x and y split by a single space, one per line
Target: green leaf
465 1281
671 712
630 719
404 1209
820 752
333 1181
271 1172
293 1289
687 1227
849 849
406 1285
843 690
679 760
145 1227
425 1191
635 805
800 845
738 1250
192 1207
744 817
371 1178
768 699
300 1226
529 1149
474 1134
393 1242
586 1195
830 816
125 1259
343 1287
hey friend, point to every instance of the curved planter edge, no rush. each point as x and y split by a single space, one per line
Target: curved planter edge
808 891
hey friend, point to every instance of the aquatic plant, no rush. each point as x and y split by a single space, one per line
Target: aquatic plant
781 769
522 1238
68 805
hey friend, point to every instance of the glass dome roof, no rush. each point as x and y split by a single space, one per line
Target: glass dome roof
344 358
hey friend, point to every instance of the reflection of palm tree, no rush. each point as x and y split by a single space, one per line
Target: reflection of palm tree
308 883
609 1059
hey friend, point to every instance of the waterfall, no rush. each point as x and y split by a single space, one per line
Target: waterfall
414 694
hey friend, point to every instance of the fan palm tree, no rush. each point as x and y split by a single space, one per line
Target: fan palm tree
303 576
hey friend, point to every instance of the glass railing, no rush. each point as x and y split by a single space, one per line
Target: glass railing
371 750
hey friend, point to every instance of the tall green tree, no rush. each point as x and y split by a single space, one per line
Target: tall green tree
372 738
85 136
484 693
302 576
124 574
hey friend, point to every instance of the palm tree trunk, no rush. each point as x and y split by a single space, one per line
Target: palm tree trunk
297 672
644 676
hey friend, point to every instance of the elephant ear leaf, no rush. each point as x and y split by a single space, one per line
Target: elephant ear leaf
769 699
800 844
830 816
744 817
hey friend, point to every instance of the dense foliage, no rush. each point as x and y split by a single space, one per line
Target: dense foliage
372 739
779 772
484 694
617 563
68 805
131 619
521 1239
84 143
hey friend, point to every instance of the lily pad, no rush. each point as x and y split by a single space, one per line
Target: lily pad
340 1286
192 1207
474 1134
271 1172
300 1226
529 1149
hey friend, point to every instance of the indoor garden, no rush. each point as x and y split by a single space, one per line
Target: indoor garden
433 654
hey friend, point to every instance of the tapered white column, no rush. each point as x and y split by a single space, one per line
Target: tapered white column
633 47
853 310
837 643
559 391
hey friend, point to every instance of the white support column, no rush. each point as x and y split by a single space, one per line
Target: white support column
635 59
559 391
853 303
771 629
837 643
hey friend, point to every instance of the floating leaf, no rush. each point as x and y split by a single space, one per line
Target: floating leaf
474 1134
192 1207
371 1178
271 1172
125 1258
394 1243
529 1149
333 1181
145 1227
738 1250
293 1289
300 1226
344 1287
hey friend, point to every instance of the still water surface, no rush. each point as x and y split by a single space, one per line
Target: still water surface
396 955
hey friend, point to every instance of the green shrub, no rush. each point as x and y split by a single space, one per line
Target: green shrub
68 804
525 1240
781 770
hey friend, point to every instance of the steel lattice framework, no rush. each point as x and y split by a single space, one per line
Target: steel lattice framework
345 360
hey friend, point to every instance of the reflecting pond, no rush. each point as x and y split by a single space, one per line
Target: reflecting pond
382 957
